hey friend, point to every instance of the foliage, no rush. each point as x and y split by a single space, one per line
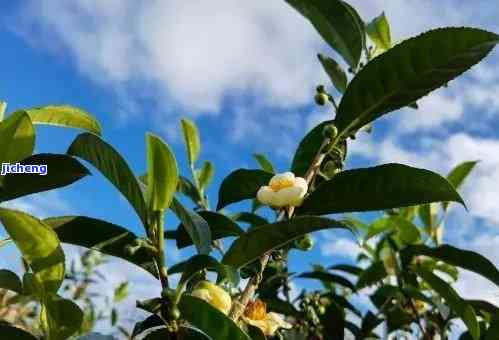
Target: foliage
403 260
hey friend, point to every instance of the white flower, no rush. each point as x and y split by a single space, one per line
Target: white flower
214 295
389 260
256 315
283 190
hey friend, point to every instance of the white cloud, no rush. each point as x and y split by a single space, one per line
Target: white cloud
342 247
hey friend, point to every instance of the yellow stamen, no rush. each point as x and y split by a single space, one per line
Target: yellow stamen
256 310
279 184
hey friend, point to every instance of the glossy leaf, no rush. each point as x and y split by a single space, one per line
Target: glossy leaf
10 281
253 220
263 239
371 275
112 165
337 23
62 170
328 277
220 226
62 317
458 305
465 259
458 175
264 162
409 71
335 72
162 173
379 32
205 174
14 333
17 138
100 235
209 319
39 246
240 185
191 138
197 228
65 116
382 187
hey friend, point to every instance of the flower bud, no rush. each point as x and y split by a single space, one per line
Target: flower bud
321 89
330 169
321 99
330 131
214 295
304 243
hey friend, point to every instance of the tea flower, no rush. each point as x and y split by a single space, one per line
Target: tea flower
283 190
256 315
214 295
420 307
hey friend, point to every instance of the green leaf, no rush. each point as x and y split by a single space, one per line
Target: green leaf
264 163
256 333
110 163
191 138
187 188
66 116
121 292
337 23
220 226
250 218
14 333
458 305
347 269
240 185
196 264
61 170
10 281
62 317
205 174
327 277
371 275
335 72
465 259
17 138
382 187
379 32
458 175
197 228
307 149
409 71
100 235
333 322
39 246
265 238
3 107
162 173
210 320
428 215
493 329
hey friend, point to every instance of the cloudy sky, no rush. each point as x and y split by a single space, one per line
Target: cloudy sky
246 72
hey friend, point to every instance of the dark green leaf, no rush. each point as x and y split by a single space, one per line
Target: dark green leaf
110 163
379 32
196 264
264 163
150 322
483 306
62 170
100 235
458 305
191 138
162 173
66 116
187 188
337 23
458 175
220 226
335 72
328 277
209 319
256 333
493 329
39 246
333 322
382 187
280 306
409 71
13 333
240 185
265 238
465 259
369 323
10 281
63 317
250 218
371 275
17 138
347 269
197 228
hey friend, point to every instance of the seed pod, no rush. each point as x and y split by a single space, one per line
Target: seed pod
305 243
330 131
321 99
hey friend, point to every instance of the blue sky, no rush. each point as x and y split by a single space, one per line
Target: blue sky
246 73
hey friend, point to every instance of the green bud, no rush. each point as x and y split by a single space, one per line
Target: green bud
174 313
330 131
330 169
321 99
321 89
305 243
321 310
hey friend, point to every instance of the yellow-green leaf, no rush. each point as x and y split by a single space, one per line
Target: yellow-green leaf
192 142
379 32
17 138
